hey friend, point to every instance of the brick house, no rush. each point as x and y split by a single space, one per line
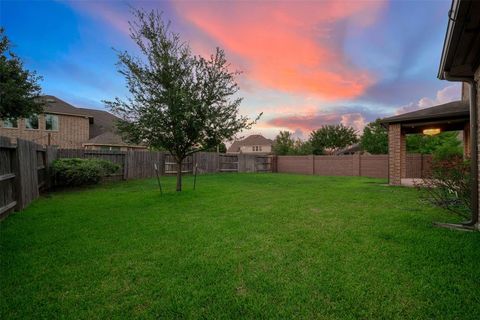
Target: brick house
460 62
254 144
68 127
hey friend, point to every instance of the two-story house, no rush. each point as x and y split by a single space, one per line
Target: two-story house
66 126
254 144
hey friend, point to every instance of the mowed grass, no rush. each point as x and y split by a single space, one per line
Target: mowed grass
240 246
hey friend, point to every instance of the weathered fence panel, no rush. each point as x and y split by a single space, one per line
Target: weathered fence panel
27 172
263 163
141 164
228 163
7 177
207 162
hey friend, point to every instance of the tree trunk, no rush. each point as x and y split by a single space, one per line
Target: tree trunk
179 175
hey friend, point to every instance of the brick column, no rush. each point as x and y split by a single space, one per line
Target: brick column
396 154
466 140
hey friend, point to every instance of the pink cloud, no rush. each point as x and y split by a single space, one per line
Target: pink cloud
445 95
287 45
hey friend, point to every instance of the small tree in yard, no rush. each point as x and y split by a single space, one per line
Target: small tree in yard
19 88
331 138
179 102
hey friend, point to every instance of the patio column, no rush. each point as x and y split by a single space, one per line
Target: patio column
396 154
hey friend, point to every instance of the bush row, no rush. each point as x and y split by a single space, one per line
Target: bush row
79 172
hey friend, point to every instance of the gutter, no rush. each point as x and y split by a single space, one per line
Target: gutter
473 142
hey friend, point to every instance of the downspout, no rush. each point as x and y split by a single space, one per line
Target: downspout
473 143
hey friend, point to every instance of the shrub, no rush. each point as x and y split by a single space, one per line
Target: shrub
78 172
449 184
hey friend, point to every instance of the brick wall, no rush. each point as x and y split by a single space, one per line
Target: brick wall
72 132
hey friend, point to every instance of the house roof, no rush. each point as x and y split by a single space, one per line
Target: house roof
350 149
461 48
455 109
58 106
103 121
252 140
107 138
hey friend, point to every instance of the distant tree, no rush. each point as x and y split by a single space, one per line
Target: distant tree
19 88
283 143
222 148
302 148
445 142
375 138
178 101
331 138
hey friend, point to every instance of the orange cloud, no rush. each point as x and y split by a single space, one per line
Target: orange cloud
288 46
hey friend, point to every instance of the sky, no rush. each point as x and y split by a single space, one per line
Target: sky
304 64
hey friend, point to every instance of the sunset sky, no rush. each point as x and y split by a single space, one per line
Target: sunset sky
305 63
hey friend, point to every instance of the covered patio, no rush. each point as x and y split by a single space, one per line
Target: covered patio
452 116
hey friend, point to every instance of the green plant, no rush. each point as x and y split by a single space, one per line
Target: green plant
78 172
448 184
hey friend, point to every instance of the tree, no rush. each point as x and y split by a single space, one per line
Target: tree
283 143
445 142
221 148
375 138
178 101
331 138
302 148
19 88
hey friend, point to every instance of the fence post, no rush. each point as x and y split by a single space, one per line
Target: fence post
313 164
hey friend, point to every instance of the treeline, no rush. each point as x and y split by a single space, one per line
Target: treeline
329 139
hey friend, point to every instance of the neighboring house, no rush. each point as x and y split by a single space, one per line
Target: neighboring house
66 126
254 144
353 149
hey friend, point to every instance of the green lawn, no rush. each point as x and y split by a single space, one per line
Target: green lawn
240 246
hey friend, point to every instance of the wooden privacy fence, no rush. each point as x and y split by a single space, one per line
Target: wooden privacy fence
24 170
374 166
141 164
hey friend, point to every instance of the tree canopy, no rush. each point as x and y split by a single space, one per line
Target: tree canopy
283 143
178 101
19 88
375 138
331 138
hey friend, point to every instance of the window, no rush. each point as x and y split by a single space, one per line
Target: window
51 122
109 148
256 148
10 123
32 122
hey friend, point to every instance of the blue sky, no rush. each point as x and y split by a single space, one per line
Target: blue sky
305 64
